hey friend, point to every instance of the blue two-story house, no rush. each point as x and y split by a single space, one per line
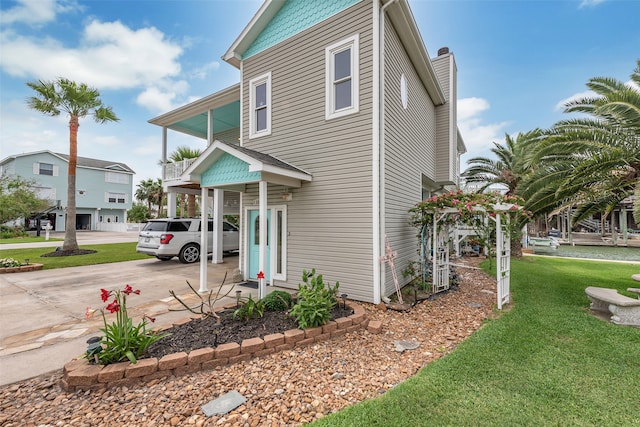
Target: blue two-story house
104 188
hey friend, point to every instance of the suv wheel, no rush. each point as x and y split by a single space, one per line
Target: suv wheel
189 253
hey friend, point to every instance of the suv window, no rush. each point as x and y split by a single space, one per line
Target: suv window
155 226
178 226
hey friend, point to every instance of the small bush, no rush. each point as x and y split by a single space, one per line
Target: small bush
249 309
278 301
314 301
7 232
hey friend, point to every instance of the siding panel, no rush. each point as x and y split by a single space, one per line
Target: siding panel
329 219
410 152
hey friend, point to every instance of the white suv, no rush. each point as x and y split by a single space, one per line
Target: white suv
165 238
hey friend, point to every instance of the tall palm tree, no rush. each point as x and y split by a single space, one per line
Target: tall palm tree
592 163
512 164
183 153
78 101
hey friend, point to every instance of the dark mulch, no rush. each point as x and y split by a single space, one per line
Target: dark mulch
200 333
69 253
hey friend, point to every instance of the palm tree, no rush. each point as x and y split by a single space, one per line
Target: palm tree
183 153
78 101
592 163
151 191
512 165
143 192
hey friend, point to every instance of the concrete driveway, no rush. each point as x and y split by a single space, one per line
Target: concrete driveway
42 313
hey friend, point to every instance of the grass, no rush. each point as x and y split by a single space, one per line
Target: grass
107 253
547 361
28 239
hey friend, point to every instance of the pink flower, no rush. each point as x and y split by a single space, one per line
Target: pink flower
88 313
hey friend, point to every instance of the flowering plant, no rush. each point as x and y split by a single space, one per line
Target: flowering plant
122 340
9 262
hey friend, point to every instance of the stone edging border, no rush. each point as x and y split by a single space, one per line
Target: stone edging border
21 269
78 374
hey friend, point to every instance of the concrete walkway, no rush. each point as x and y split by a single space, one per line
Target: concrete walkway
42 313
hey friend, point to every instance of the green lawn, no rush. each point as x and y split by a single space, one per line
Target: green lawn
113 252
547 361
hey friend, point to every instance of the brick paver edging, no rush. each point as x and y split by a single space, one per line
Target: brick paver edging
78 374
21 269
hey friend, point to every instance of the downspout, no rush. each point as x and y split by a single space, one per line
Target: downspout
378 161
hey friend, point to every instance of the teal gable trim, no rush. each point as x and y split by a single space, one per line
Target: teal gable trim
294 17
228 170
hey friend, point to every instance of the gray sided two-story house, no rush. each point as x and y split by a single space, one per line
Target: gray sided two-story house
340 124
104 188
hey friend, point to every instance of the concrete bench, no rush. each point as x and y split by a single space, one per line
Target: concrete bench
636 277
624 310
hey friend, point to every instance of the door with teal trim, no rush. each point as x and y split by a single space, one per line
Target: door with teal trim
254 245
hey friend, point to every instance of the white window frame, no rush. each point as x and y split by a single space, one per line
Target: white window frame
352 43
278 275
113 195
253 83
116 177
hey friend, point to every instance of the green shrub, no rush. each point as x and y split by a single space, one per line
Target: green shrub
277 301
315 302
7 232
249 309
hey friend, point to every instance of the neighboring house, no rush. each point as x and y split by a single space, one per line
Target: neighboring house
340 124
104 189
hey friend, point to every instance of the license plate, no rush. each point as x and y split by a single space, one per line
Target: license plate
146 239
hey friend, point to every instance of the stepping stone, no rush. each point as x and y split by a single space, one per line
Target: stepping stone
223 404
636 277
403 345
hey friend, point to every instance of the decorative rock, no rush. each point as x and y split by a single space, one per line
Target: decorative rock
224 404
402 345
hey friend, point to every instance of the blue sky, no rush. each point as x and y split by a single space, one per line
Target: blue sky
518 61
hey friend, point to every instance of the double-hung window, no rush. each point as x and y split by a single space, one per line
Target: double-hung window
342 78
116 197
260 106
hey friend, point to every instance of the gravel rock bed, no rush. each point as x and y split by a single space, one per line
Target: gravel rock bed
289 388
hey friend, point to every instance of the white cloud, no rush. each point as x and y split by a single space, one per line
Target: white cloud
203 71
29 12
110 56
478 136
161 98
590 3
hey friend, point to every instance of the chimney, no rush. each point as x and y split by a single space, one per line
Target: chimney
443 51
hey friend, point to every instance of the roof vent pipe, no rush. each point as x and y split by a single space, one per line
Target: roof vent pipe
443 51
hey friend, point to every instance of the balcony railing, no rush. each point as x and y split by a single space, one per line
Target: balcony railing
173 171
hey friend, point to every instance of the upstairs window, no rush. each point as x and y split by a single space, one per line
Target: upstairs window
45 169
116 177
260 106
342 78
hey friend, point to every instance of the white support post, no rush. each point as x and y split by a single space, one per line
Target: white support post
203 239
262 291
218 209
171 204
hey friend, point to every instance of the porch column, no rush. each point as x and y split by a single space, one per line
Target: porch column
203 239
218 243
209 127
623 225
164 152
171 204
262 291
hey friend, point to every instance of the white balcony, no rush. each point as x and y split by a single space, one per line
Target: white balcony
173 171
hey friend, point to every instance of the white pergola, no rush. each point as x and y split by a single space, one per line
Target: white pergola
440 237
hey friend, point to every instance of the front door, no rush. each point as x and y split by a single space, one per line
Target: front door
254 245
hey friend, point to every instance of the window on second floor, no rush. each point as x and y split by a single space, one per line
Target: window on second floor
260 106
342 78
116 197
45 169
116 177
